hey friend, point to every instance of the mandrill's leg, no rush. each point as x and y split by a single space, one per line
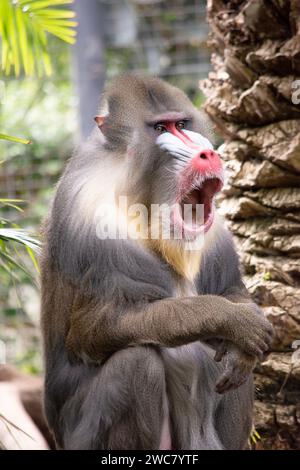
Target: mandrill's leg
142 424
125 407
234 417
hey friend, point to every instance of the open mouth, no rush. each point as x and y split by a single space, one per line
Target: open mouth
196 205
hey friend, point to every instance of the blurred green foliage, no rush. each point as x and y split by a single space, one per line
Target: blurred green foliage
45 112
24 29
41 110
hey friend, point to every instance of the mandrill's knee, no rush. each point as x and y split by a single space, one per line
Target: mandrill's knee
140 366
126 393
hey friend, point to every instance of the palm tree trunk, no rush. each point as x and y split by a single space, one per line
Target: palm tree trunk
251 99
89 55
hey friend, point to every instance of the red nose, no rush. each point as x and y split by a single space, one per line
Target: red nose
207 160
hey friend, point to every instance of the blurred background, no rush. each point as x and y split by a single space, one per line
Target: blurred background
55 111
240 59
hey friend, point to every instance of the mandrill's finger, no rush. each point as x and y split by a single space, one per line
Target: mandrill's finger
219 355
223 383
231 380
227 386
220 352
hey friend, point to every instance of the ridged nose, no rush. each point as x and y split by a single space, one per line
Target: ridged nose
207 160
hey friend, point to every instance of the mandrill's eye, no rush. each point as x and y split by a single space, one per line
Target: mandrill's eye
160 128
180 125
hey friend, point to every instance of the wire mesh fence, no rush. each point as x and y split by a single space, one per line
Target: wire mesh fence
165 38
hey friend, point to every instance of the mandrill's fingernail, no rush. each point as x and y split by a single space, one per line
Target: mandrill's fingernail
218 356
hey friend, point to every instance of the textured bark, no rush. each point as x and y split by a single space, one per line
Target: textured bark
256 59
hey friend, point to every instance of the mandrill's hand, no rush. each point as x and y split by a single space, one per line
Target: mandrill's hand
250 336
238 366
249 330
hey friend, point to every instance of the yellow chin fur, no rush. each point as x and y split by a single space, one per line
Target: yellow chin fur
185 262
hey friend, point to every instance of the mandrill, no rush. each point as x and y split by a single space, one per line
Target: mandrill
150 340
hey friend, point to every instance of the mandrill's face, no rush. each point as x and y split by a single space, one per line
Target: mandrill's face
168 160
197 171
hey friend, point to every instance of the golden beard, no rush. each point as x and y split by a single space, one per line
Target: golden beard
184 261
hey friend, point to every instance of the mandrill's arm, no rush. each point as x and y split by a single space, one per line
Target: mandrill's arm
97 330
220 274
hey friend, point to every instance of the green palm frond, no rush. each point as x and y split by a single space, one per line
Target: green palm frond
13 203
19 236
9 237
24 29
14 139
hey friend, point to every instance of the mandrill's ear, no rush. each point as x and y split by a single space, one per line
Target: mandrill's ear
100 121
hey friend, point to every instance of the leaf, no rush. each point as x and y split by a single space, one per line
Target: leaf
47 63
11 200
20 236
14 263
10 431
11 203
51 13
8 270
254 436
24 26
13 39
62 22
15 426
39 4
15 139
13 206
33 258
23 42
63 33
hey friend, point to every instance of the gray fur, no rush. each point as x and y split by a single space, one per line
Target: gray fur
116 341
